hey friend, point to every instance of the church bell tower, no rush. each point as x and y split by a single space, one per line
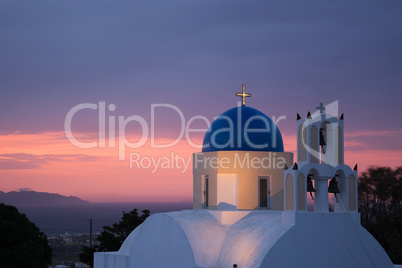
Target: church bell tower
320 168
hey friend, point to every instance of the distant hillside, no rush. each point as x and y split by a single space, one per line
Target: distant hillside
38 199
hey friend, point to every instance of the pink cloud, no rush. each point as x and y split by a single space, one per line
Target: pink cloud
49 162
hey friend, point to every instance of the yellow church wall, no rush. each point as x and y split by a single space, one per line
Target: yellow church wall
248 165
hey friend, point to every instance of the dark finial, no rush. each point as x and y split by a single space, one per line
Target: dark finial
309 115
298 116
341 118
295 167
286 167
355 168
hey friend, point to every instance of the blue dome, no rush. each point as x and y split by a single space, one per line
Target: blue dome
243 129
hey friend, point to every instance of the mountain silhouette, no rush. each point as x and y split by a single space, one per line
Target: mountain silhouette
33 198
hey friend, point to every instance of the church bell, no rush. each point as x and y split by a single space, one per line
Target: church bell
310 187
323 144
333 187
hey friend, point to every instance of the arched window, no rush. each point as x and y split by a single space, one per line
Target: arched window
352 193
314 151
301 192
326 143
339 150
302 143
289 192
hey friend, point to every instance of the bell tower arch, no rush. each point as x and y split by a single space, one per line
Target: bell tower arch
320 139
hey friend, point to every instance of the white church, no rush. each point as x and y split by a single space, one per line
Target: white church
250 204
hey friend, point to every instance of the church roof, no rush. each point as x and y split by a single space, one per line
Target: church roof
243 128
250 239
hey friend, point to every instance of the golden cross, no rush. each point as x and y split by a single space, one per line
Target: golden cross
244 94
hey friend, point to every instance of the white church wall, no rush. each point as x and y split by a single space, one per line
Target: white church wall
229 217
203 238
111 260
204 233
160 242
249 239
330 240
175 239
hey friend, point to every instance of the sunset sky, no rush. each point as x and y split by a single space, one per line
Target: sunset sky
194 56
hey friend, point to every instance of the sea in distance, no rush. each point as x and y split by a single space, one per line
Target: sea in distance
74 219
